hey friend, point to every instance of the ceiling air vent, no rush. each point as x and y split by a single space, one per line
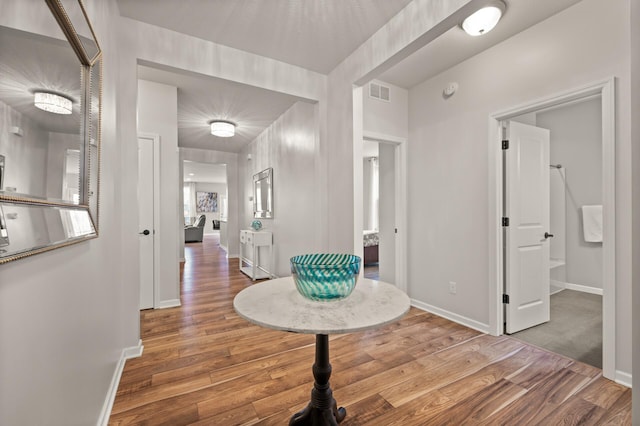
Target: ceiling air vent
378 91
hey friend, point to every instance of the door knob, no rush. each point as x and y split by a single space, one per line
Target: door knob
548 235
145 232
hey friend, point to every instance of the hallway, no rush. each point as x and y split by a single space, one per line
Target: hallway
203 365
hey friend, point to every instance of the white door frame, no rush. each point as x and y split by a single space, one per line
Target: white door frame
155 138
605 89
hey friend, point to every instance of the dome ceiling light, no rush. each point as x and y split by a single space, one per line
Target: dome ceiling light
223 129
484 19
52 102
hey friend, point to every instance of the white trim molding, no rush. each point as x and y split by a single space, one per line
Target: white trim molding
467 322
127 353
624 379
583 288
606 90
171 303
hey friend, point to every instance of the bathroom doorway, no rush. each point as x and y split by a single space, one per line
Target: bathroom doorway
578 263
573 277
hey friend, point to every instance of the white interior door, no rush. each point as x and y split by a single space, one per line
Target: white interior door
526 240
145 220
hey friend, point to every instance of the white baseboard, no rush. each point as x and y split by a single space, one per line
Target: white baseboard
468 322
583 288
623 378
182 260
127 353
171 303
577 287
225 248
233 256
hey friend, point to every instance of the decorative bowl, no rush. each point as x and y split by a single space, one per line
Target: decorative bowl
256 225
324 277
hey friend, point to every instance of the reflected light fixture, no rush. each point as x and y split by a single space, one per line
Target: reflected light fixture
484 19
52 102
223 129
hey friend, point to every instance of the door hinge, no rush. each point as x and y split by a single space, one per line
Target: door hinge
505 221
505 144
396 230
505 298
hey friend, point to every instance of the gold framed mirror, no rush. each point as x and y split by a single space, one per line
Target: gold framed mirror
50 118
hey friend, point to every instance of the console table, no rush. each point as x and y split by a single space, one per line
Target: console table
251 241
277 304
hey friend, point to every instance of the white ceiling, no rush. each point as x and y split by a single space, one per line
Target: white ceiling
455 45
315 34
204 172
203 98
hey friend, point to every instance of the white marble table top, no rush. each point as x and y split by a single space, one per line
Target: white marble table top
277 304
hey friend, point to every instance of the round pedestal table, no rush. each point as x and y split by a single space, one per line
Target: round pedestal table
276 304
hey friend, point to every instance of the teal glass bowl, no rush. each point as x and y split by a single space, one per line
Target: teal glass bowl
325 277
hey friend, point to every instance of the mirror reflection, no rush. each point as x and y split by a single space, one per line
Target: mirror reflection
41 97
50 104
263 194
28 227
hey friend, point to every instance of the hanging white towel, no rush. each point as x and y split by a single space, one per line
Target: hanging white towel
592 223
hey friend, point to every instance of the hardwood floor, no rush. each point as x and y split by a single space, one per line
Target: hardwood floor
203 365
372 271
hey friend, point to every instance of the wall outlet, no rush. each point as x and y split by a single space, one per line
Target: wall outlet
452 287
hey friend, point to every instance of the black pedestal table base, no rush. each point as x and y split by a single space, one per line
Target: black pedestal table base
322 409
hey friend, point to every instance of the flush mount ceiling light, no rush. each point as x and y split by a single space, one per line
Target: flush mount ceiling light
51 102
484 19
223 129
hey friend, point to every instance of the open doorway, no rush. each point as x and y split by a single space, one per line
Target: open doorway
379 209
574 255
204 202
371 209
573 277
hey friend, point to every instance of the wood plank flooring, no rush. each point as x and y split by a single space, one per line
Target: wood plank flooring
203 365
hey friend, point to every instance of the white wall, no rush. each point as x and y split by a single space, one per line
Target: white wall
218 188
576 143
66 315
158 114
413 27
288 146
634 18
387 118
448 151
